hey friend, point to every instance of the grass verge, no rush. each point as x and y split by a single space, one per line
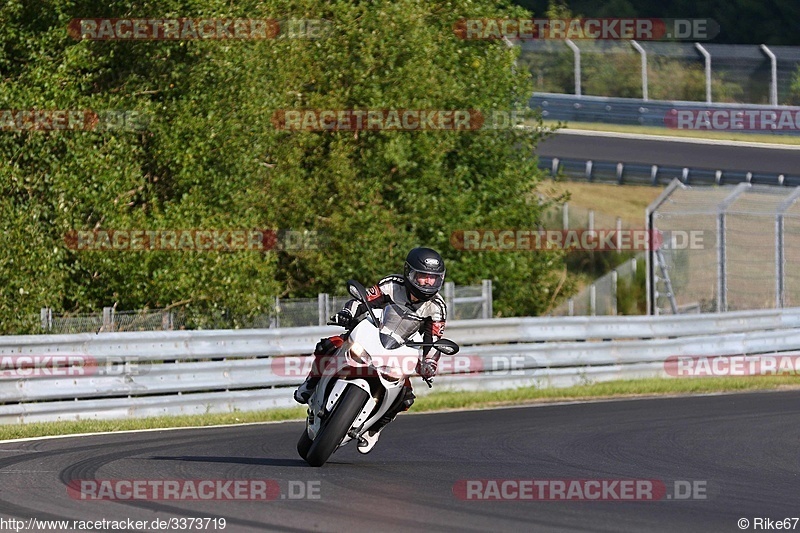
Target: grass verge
431 402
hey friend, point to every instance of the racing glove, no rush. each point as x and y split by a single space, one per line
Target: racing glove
342 318
427 368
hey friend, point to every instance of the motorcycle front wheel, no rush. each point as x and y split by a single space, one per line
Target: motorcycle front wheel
335 426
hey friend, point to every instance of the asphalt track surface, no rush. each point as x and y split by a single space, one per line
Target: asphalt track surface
586 145
743 448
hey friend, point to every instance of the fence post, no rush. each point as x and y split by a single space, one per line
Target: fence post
707 58
449 298
619 234
108 319
167 321
643 53
780 259
773 81
571 307
486 294
722 260
614 303
592 299
277 312
577 54
322 308
565 216
46 317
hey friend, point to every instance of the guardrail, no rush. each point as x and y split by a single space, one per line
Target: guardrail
636 111
642 174
154 373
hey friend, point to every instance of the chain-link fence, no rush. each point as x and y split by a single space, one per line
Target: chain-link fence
568 216
673 70
611 294
110 320
463 302
724 248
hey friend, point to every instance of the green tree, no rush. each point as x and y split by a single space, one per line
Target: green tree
210 158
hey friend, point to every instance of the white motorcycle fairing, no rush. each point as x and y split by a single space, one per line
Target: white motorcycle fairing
382 392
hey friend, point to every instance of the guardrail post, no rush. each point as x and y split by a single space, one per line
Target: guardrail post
592 299
486 293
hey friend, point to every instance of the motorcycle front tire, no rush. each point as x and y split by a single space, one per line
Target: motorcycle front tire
335 427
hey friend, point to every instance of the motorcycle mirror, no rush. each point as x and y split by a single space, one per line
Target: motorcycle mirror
446 346
357 290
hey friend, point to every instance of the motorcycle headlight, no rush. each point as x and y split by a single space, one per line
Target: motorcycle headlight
358 354
391 373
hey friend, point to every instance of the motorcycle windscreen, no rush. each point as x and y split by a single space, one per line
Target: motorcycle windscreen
397 326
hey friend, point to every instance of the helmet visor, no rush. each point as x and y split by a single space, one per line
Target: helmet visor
429 282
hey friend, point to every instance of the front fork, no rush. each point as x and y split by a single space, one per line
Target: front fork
368 415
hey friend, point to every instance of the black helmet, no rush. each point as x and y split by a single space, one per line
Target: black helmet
424 273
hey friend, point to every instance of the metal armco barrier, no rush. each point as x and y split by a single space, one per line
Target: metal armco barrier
659 175
155 373
634 111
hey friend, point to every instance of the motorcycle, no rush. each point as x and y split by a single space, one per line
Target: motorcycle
364 377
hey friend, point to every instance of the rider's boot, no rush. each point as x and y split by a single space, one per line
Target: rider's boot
306 389
369 438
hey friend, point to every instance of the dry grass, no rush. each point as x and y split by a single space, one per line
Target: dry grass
625 201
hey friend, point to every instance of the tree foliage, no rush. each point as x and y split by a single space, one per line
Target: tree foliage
210 158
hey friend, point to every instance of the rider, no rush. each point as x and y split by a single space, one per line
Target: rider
417 289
